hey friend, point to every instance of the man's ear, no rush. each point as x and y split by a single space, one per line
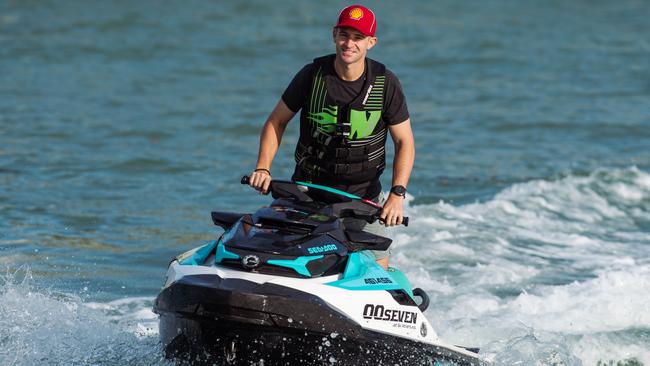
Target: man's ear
372 41
334 31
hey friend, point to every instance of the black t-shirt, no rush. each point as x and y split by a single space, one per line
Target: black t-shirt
344 92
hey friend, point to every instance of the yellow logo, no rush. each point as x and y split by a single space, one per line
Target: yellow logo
356 14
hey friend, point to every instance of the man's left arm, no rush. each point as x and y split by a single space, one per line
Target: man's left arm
402 136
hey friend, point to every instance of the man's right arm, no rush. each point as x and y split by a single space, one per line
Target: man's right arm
270 140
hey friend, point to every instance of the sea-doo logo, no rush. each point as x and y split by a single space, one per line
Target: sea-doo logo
379 312
322 249
250 261
423 329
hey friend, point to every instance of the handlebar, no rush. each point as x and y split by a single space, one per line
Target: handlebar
245 180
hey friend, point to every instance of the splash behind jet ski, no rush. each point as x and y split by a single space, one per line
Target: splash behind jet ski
289 285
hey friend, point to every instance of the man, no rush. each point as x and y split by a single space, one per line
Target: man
349 103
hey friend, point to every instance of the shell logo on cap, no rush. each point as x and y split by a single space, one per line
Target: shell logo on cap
356 14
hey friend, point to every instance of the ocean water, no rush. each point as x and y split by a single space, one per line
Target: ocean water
123 124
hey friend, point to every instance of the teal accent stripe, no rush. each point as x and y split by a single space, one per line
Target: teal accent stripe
223 253
400 278
199 256
329 189
362 272
299 264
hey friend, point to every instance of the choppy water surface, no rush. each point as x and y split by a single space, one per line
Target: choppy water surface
122 124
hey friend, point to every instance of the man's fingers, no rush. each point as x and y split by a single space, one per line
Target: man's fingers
383 217
255 181
266 184
392 213
260 181
391 218
398 218
387 218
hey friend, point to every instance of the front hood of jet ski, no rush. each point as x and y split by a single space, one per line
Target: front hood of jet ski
205 314
211 297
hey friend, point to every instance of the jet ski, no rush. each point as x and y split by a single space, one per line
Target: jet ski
289 285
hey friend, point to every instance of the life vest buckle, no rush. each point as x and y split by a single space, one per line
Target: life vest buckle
343 129
321 137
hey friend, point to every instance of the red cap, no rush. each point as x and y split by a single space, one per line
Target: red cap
360 18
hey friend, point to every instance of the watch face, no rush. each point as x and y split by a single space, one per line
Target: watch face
399 190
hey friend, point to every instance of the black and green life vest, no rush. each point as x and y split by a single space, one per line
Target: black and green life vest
343 142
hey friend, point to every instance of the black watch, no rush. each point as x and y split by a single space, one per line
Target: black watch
399 190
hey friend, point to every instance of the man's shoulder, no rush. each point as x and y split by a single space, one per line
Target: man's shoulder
307 69
391 78
324 60
373 61
317 63
389 73
386 71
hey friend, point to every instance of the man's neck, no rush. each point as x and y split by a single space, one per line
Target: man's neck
349 72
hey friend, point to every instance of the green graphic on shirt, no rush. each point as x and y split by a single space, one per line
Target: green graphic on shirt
326 119
362 123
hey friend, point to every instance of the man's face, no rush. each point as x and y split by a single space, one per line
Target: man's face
352 45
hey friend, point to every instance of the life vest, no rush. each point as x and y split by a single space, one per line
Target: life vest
343 142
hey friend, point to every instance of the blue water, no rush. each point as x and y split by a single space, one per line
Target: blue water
122 124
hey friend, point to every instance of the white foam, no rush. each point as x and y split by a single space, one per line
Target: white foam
614 301
502 273
38 324
619 347
568 258
642 180
627 193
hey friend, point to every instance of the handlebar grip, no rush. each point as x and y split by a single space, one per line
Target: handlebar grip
245 180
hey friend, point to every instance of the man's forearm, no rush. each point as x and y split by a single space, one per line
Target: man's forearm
270 140
271 135
403 162
393 210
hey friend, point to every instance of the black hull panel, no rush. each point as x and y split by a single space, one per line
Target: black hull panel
234 322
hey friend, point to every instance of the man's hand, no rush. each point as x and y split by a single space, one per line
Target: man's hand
260 179
393 211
